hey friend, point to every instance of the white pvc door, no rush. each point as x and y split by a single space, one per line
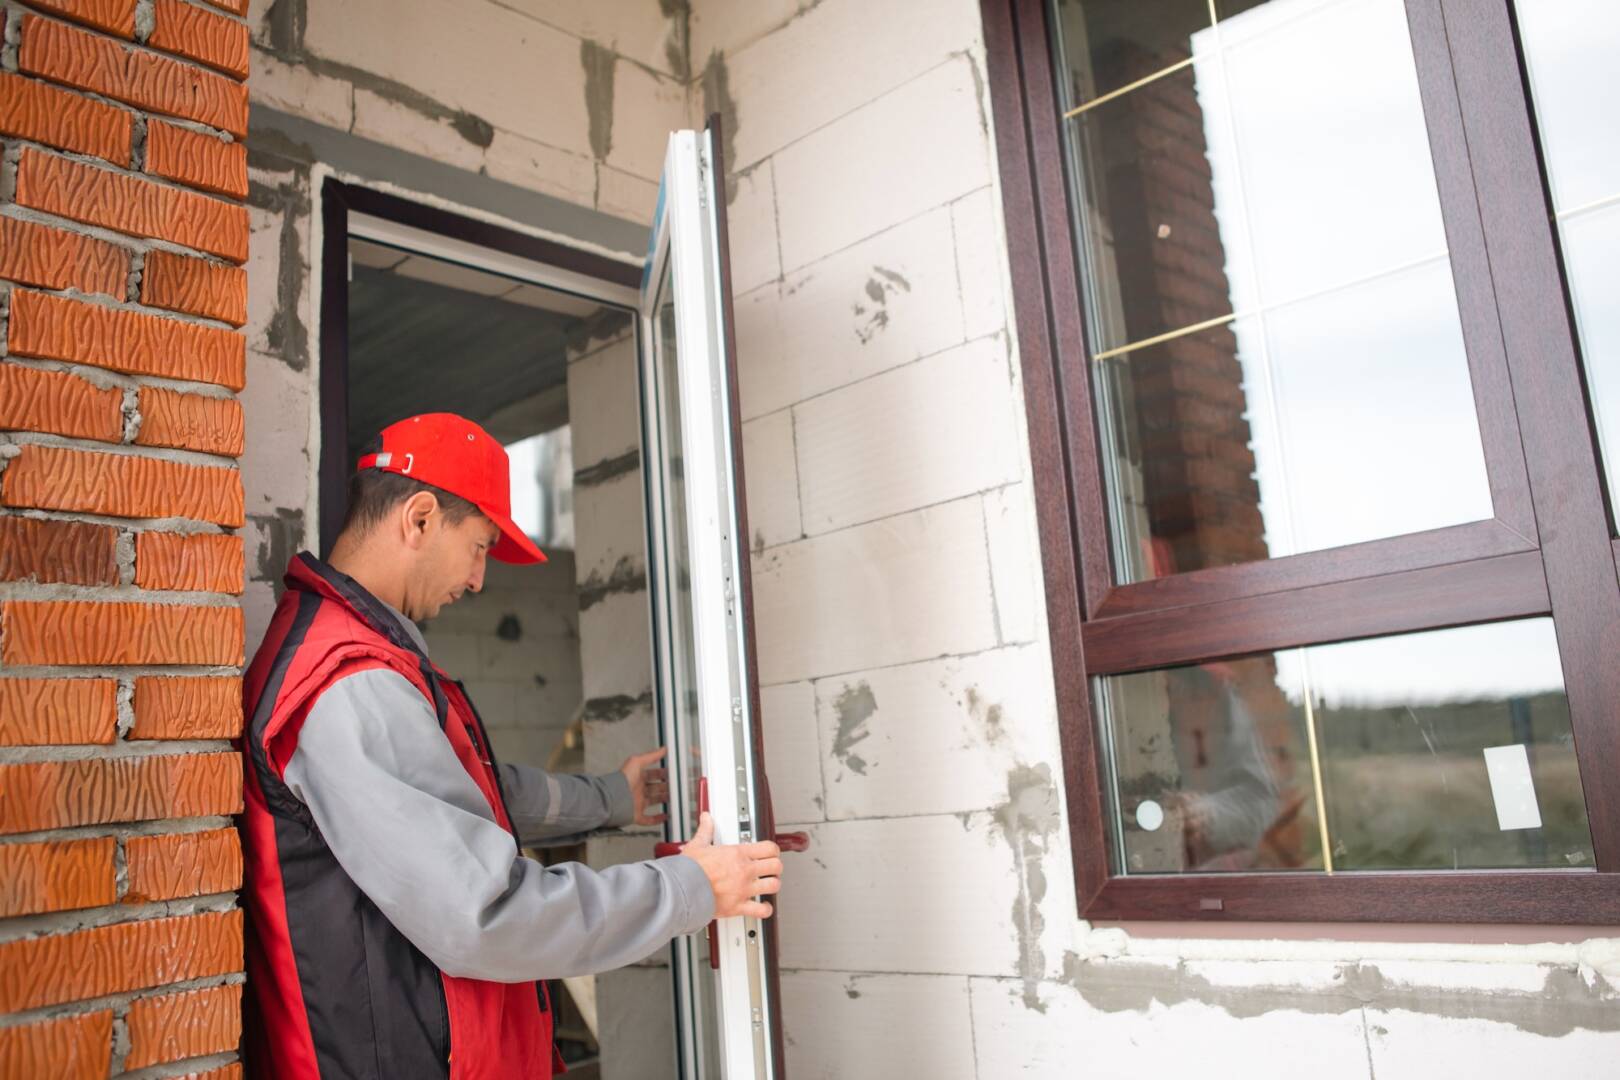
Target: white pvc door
707 691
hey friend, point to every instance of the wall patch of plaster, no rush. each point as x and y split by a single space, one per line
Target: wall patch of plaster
615 708
855 706
717 99
285 333
284 23
1028 820
1569 1000
879 287
986 713
678 48
625 577
598 63
611 469
280 536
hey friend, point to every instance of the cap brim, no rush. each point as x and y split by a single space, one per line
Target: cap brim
514 546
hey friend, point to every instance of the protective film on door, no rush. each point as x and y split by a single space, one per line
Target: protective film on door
726 986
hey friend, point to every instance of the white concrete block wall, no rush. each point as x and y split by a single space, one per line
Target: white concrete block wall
909 725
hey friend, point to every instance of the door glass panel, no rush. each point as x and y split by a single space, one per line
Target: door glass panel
686 750
1446 749
1570 49
1277 355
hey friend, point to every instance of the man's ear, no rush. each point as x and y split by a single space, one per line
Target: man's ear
417 513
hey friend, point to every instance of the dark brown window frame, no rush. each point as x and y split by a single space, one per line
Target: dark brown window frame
1549 552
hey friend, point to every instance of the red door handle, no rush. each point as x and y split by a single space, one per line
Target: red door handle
793 841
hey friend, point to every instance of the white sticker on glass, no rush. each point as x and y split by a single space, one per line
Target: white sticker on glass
1512 788
1149 815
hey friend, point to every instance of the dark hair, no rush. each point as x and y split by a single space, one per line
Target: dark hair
373 493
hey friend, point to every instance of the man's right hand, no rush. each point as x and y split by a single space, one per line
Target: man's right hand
737 872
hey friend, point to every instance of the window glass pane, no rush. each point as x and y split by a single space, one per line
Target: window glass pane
1570 48
1276 349
543 487
1117 42
1448 749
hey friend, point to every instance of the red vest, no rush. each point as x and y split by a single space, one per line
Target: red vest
334 990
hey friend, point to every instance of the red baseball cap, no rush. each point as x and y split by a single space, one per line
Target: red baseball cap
455 454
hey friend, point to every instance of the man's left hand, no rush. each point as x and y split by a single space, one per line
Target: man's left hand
649 785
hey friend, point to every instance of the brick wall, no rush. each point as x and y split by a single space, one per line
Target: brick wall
122 234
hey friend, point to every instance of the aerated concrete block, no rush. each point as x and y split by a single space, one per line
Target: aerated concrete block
929 130
925 433
896 590
890 299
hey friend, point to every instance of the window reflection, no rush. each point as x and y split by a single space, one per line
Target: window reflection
542 469
1569 49
1277 353
1368 755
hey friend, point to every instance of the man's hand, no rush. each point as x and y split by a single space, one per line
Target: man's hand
737 872
649 786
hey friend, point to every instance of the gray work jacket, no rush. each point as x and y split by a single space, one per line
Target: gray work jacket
408 824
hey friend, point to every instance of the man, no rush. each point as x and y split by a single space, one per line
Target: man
395 932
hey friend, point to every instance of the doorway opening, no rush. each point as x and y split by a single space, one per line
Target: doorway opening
538 344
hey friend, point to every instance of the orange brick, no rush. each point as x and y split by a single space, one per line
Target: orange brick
72 1048
59 403
58 712
185 1025
128 204
204 562
202 161
36 254
196 286
113 16
66 55
214 40
190 421
71 552
114 959
30 109
187 707
98 791
118 632
58 478
183 864
59 875
56 328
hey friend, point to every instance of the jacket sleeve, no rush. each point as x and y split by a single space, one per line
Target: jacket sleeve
413 830
550 809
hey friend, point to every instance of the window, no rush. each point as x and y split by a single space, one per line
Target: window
1331 583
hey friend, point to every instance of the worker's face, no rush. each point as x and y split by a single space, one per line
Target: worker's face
450 561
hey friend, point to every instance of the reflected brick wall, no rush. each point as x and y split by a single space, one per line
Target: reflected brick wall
1190 404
